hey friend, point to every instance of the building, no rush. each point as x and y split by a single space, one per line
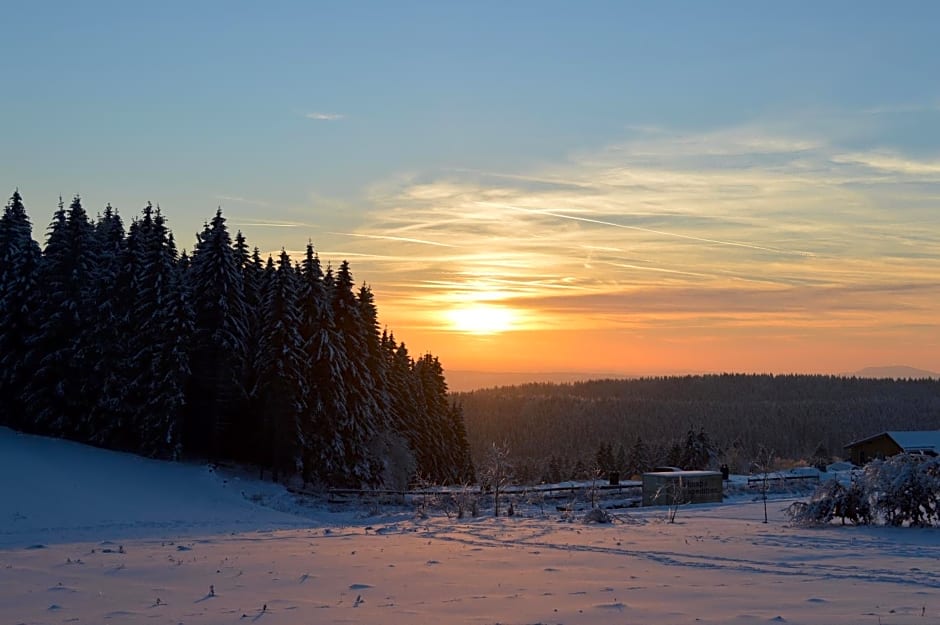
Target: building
663 488
890 443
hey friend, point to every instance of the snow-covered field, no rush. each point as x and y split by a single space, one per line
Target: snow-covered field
89 536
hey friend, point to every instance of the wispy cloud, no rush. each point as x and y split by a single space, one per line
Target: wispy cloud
325 117
893 163
267 223
382 237
242 200
725 228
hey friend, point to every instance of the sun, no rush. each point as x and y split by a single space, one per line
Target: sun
482 319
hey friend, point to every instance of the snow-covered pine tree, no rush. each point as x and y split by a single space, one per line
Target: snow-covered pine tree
698 452
408 410
62 390
263 452
283 372
358 427
246 422
461 458
323 454
110 327
374 357
445 419
165 327
397 379
218 349
437 436
620 460
639 459
20 256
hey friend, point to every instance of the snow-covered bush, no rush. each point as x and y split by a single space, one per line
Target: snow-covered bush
903 490
821 507
854 505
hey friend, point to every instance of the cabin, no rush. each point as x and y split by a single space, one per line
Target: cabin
888 444
663 488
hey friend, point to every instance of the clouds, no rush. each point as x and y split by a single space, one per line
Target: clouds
893 163
731 228
325 117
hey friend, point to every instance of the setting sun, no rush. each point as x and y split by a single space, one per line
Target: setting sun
482 319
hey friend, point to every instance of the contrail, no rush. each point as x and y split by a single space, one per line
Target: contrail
391 238
254 223
648 230
653 268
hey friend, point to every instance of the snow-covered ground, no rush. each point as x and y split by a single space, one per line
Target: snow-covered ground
89 536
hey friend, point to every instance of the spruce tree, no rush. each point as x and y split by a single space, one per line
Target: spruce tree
20 256
219 340
324 453
62 392
283 371
620 461
437 436
246 425
639 458
165 329
461 459
374 358
111 327
357 427
407 410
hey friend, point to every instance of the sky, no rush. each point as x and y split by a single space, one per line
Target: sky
618 187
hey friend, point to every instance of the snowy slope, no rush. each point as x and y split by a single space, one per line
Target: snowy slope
88 536
59 491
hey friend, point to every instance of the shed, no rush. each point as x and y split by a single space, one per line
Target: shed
890 443
669 487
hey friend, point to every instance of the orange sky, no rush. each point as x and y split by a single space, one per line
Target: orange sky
654 256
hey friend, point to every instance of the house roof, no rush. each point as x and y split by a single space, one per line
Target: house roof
915 440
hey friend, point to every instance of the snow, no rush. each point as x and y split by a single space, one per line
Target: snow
89 536
917 441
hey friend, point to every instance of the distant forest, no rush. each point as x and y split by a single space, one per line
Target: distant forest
567 430
109 336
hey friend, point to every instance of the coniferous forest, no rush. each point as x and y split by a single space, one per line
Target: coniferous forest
564 431
110 336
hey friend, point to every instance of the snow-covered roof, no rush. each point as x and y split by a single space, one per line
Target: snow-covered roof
914 440
917 441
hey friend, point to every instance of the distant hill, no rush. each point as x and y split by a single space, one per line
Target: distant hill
896 371
460 381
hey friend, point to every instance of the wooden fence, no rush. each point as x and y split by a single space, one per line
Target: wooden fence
773 478
338 495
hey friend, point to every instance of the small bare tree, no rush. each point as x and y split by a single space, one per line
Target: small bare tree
764 462
497 472
596 475
424 487
675 497
465 500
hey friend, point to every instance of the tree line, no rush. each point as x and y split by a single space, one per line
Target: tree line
110 336
567 430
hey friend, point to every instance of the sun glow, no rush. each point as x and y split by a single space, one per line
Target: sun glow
482 319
